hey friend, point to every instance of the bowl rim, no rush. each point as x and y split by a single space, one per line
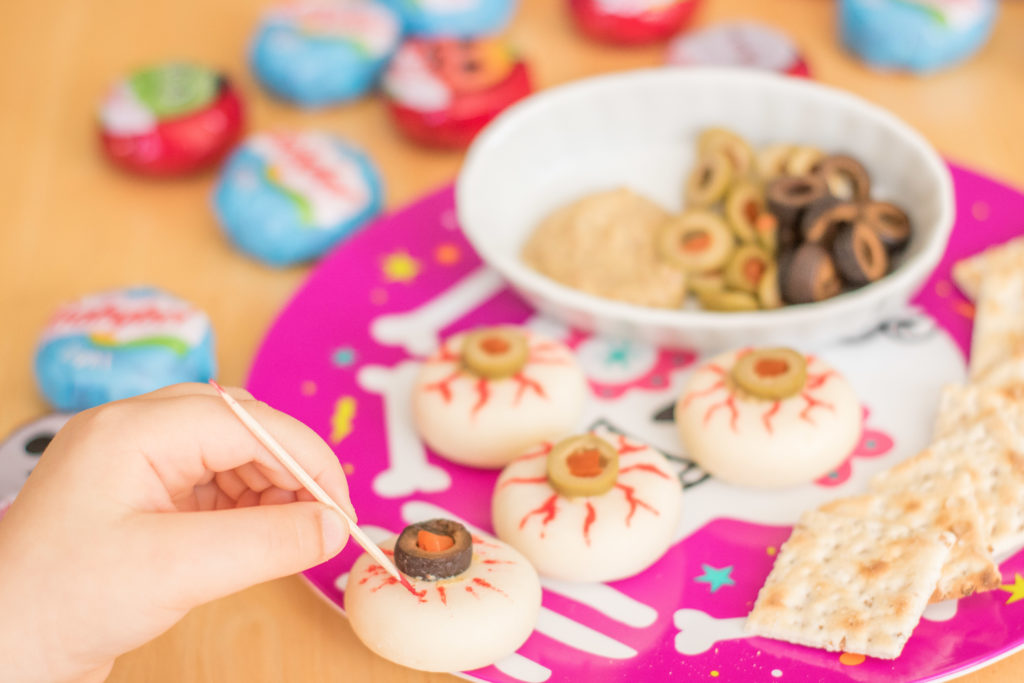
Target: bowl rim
908 276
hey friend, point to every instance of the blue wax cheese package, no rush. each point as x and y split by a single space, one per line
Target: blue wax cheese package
287 197
453 18
317 53
917 35
120 344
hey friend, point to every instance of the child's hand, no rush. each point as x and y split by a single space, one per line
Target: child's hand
142 509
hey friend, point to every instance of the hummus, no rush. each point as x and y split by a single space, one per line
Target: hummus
606 244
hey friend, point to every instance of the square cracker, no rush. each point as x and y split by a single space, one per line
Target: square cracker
944 505
963 405
846 584
989 448
998 335
968 272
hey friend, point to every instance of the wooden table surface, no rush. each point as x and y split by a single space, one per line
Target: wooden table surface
71 225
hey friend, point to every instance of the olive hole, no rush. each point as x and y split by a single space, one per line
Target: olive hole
37 445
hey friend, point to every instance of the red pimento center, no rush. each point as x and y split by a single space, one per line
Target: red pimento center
765 223
433 543
494 345
751 210
586 463
753 269
771 367
695 241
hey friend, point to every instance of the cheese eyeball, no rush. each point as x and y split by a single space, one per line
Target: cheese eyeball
456 624
799 426
605 537
484 413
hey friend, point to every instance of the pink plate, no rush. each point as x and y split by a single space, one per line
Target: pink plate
343 355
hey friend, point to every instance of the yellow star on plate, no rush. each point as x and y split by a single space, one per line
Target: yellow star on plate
1016 589
400 267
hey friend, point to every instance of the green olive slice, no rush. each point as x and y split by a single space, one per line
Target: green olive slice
711 281
734 147
584 465
728 300
495 352
767 229
746 268
696 241
771 160
434 562
803 160
768 294
743 205
709 181
772 374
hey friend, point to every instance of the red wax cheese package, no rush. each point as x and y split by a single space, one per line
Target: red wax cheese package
631 22
740 44
441 92
170 119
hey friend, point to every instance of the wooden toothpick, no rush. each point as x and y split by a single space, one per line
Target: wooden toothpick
296 470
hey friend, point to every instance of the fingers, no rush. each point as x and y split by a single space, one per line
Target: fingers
184 438
197 389
206 555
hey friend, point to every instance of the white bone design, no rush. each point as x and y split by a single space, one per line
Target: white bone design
418 331
550 623
408 469
699 631
514 665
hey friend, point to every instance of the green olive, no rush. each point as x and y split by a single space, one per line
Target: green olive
768 294
772 374
728 300
735 148
743 205
746 268
584 465
767 229
803 159
771 160
696 241
709 181
711 281
495 352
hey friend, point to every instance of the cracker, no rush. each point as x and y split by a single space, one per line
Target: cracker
962 405
1006 375
846 584
989 448
998 335
968 272
943 505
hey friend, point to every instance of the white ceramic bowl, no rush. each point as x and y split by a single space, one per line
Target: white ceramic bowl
638 129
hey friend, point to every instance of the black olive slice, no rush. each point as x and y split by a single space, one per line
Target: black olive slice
890 223
845 178
809 275
789 196
821 226
436 558
859 254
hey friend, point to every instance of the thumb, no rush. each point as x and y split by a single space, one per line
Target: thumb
206 555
